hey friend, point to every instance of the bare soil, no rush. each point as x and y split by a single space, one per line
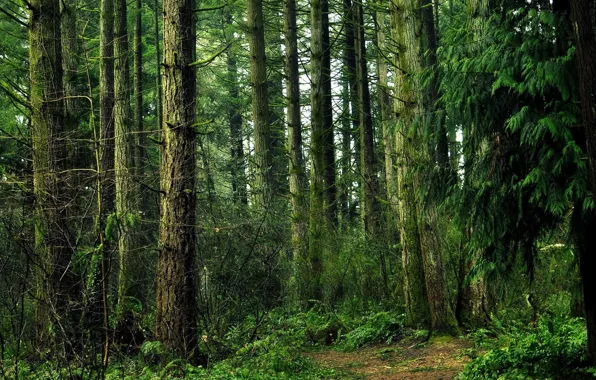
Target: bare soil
436 359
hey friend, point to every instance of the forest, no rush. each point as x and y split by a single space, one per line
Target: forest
297 189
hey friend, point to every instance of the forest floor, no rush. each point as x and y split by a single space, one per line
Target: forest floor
436 359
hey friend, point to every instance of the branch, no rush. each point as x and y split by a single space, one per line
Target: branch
207 61
15 138
214 8
14 18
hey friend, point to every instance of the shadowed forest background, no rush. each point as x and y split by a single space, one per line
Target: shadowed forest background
252 189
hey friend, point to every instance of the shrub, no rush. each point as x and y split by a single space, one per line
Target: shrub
382 327
553 349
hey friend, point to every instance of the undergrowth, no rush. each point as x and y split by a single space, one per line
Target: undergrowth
554 348
277 348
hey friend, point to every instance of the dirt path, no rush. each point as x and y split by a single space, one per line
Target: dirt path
434 360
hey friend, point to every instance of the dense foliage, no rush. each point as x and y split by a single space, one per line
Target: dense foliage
342 174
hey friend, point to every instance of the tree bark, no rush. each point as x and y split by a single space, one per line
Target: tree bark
176 304
264 181
584 15
351 75
317 152
58 285
328 135
105 168
126 188
370 212
296 162
158 87
238 170
414 114
406 109
275 73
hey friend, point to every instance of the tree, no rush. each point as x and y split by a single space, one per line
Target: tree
317 152
124 166
406 109
351 107
264 177
58 288
105 168
367 152
327 119
238 168
296 162
176 304
583 13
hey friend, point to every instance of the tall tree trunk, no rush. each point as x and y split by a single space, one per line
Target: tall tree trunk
345 185
296 162
328 136
387 119
140 140
126 187
351 75
274 40
317 152
176 304
264 179
158 87
583 15
406 108
414 48
105 184
70 62
58 285
370 212
238 169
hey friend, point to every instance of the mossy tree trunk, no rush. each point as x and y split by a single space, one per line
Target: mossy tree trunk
238 168
328 134
318 215
353 104
127 193
58 288
105 177
406 108
417 40
370 186
264 186
176 304
299 218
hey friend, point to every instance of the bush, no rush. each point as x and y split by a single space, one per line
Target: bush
382 327
553 349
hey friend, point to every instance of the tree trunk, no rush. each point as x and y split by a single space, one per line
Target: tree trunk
140 140
328 137
583 14
274 41
70 63
126 187
386 122
296 162
351 74
406 108
414 48
235 121
387 118
176 304
345 186
158 87
105 165
264 180
370 209
58 285
317 152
